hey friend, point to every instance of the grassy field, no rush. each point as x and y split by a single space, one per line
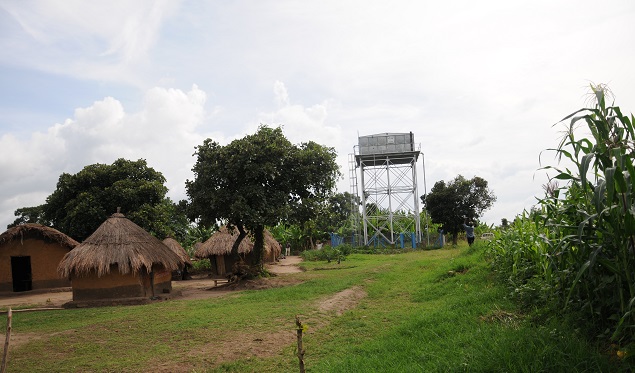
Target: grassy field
424 311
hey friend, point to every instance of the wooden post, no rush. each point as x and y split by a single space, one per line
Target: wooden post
300 349
3 367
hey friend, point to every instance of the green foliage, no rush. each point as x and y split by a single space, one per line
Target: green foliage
576 249
450 204
33 214
81 202
260 180
327 253
200 265
338 214
195 234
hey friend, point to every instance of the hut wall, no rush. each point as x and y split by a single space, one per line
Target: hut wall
162 280
109 286
44 260
115 285
219 264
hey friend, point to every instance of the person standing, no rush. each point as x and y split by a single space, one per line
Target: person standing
469 231
287 250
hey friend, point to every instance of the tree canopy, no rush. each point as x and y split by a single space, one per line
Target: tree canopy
81 202
452 203
258 181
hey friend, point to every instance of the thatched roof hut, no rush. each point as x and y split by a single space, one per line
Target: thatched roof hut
119 260
221 243
176 247
219 246
29 255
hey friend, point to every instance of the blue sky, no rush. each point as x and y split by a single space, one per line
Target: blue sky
480 84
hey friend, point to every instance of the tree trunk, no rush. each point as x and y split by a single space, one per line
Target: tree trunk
259 248
241 234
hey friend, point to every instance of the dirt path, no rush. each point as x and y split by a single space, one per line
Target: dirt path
286 265
197 288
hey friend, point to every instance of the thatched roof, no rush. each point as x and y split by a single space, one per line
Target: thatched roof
118 241
31 230
176 247
221 242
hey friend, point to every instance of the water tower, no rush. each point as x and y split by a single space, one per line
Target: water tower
389 192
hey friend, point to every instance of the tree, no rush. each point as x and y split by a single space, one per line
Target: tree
81 202
340 213
258 181
459 200
29 215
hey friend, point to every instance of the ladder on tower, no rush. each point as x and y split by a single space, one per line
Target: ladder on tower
352 175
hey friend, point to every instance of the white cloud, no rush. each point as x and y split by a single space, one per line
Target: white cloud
107 41
164 133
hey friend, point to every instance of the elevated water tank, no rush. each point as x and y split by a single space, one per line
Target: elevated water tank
385 143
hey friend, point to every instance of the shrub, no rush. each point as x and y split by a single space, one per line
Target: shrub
328 254
201 265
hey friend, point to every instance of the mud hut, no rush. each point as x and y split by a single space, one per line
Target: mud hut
175 246
119 261
219 246
29 255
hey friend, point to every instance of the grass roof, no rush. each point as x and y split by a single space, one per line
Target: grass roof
118 241
221 242
176 247
32 230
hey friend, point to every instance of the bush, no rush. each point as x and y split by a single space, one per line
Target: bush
328 254
201 265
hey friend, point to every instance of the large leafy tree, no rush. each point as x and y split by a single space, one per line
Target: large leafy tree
260 180
82 201
456 201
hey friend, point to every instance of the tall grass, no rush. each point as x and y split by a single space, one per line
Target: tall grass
578 247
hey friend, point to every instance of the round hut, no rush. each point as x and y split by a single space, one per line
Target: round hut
176 247
120 260
29 255
219 246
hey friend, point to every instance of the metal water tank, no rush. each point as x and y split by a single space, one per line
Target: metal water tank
385 143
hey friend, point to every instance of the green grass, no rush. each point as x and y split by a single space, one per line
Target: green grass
425 311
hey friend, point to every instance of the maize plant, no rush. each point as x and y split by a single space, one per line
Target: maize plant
593 225
582 243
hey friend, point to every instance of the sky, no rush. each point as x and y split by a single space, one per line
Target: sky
480 84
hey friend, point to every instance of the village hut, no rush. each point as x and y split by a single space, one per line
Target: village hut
29 255
175 246
119 261
219 246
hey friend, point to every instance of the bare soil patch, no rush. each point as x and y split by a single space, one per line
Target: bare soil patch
343 301
286 265
52 298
